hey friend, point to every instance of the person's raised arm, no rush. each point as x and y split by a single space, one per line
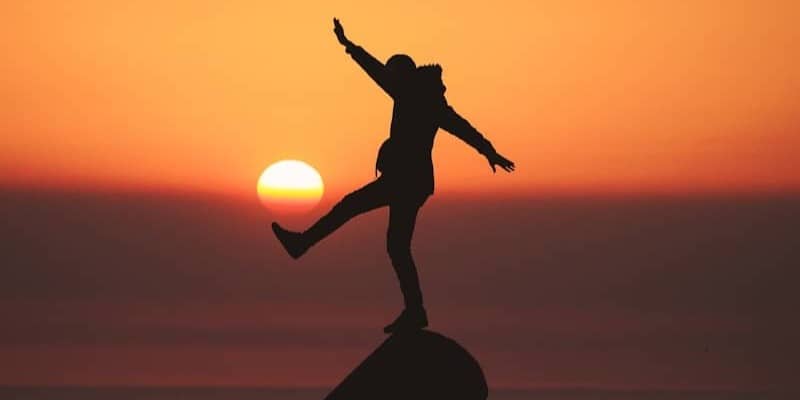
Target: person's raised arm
462 129
371 65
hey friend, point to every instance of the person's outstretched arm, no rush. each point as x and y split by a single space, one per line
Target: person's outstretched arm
461 128
371 65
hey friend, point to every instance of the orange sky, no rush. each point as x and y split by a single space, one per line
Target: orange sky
632 96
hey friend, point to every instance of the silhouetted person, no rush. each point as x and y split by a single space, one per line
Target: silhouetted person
404 161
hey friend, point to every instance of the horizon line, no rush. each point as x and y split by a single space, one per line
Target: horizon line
540 192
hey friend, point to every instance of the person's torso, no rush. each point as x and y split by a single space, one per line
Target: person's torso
406 156
415 121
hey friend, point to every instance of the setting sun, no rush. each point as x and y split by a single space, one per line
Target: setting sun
290 186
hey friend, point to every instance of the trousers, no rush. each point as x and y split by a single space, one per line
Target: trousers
403 211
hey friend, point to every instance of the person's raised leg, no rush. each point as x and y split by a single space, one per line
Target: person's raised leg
369 197
402 219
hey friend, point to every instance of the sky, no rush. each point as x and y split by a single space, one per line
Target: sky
646 239
619 96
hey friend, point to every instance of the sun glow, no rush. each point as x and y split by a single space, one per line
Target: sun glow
290 186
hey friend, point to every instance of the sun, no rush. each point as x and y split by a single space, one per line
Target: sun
290 186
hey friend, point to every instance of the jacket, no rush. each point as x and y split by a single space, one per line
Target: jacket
420 109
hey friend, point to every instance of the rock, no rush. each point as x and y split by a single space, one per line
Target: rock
417 365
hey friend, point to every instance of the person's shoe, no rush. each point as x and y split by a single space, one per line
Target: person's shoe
409 319
291 241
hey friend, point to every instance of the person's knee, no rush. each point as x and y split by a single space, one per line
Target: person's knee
346 204
348 200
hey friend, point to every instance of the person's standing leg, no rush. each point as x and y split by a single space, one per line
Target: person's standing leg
371 196
402 219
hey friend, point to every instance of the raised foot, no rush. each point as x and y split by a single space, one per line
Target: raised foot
292 241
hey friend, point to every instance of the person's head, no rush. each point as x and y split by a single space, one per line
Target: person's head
430 79
400 67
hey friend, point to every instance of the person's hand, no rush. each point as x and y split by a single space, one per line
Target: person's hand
495 159
339 31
